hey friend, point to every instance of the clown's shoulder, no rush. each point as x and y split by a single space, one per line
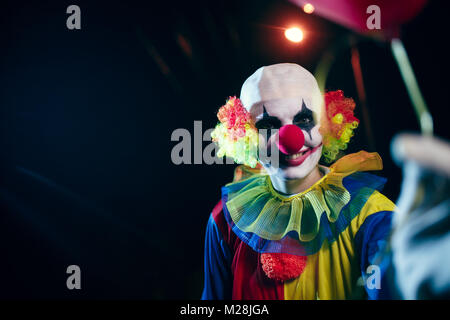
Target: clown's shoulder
376 204
365 188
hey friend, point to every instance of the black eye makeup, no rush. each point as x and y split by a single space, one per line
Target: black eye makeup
268 122
305 119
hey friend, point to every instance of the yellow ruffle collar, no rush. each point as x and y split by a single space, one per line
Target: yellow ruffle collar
258 208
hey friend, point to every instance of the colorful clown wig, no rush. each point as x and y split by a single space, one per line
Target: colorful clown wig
337 124
235 134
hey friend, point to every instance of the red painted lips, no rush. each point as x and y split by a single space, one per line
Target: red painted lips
298 158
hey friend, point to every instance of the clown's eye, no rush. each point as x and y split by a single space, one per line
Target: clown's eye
271 123
304 119
268 126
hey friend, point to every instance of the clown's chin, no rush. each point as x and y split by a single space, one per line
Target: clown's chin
300 165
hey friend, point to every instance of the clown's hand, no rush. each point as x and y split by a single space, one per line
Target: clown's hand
421 237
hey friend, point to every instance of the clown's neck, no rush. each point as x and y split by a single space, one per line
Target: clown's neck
294 186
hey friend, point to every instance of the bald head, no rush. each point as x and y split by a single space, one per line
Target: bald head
279 82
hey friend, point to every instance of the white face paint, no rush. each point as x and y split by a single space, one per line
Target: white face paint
289 111
284 94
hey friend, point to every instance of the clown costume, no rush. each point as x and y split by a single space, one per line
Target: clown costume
286 227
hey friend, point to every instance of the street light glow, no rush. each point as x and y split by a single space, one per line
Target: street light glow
294 34
308 8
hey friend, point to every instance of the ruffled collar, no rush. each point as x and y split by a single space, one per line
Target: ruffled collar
256 208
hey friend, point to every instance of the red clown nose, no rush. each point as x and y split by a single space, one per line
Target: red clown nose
291 139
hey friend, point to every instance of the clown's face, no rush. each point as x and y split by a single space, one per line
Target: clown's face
304 142
286 97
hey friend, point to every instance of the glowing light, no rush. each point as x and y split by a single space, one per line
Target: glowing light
294 34
308 8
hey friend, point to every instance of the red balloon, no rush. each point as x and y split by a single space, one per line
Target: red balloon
353 13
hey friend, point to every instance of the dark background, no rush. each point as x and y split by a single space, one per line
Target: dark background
87 116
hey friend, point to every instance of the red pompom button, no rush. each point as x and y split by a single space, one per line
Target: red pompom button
282 266
291 139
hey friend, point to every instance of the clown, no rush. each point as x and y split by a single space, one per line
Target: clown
287 227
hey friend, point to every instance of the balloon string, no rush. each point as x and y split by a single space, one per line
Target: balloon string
419 104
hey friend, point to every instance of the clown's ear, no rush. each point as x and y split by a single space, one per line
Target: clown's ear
337 123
